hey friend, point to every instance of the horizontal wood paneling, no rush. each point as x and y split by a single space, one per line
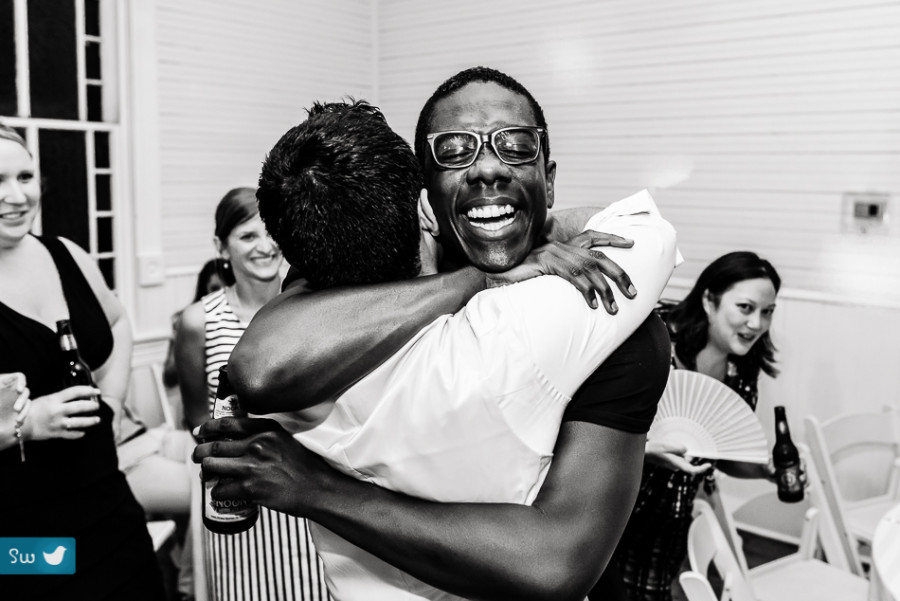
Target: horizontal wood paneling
233 77
748 120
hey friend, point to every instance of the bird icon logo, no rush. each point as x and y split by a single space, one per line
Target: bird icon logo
55 558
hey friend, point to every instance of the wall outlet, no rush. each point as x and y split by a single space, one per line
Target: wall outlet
866 212
151 269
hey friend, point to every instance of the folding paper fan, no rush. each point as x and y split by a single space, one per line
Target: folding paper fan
709 419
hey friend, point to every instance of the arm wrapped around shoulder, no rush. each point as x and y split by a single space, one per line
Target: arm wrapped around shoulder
569 339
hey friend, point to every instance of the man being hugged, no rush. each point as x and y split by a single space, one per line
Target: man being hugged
463 409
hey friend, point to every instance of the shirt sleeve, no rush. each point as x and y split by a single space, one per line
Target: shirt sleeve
566 338
624 392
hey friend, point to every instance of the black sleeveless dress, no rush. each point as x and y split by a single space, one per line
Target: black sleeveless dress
72 488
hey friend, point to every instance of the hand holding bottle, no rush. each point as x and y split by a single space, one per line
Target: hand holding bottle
226 516
75 370
64 414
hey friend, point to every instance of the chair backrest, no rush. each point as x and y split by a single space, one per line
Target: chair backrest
707 545
156 371
202 586
725 515
696 587
862 448
843 549
147 397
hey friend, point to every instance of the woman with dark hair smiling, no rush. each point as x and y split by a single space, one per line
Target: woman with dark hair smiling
720 329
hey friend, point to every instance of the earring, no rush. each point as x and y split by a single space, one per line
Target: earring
226 265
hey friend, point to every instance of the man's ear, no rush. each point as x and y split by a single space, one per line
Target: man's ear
551 179
429 249
427 220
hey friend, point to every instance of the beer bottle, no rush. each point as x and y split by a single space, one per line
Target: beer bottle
226 516
76 371
786 458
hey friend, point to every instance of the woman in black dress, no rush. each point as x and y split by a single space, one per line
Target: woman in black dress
59 471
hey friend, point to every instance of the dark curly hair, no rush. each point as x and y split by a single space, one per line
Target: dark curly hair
689 324
338 194
460 80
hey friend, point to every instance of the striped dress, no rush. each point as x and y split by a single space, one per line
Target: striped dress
275 560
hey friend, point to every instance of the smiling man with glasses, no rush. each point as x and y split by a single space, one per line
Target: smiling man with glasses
488 207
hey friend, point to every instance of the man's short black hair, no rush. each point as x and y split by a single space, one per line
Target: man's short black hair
460 80
338 194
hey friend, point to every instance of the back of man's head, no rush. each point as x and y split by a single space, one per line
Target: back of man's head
338 194
462 79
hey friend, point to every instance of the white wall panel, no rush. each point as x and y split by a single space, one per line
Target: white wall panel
749 120
233 77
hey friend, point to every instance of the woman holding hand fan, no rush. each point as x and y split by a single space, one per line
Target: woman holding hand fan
721 330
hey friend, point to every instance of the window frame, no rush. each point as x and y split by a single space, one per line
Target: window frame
113 82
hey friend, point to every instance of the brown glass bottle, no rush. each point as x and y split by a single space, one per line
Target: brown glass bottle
226 516
75 371
786 458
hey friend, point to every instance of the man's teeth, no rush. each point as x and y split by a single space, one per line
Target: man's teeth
492 226
15 215
489 211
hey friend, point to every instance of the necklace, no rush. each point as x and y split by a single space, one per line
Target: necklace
238 305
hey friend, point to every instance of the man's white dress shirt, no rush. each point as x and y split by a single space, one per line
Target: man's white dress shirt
470 408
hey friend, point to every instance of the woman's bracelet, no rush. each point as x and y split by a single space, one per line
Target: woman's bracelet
21 406
21 440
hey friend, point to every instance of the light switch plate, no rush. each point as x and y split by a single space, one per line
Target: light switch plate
866 212
151 269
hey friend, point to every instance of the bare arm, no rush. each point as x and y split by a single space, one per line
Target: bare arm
190 360
304 348
13 407
741 469
555 549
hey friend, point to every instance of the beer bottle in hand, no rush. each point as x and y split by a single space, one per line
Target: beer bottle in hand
786 458
76 371
226 516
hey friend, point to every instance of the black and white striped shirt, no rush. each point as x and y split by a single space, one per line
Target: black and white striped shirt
275 560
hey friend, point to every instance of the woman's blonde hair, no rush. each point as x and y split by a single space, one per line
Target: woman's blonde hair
8 133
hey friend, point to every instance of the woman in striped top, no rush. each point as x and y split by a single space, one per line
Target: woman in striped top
275 559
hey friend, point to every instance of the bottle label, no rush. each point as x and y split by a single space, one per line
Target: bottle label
789 479
226 510
67 342
227 407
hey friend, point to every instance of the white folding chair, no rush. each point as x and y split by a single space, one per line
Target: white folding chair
787 520
148 399
697 588
860 436
707 546
796 577
725 517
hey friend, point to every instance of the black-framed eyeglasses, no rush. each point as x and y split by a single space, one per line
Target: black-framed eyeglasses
514 145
